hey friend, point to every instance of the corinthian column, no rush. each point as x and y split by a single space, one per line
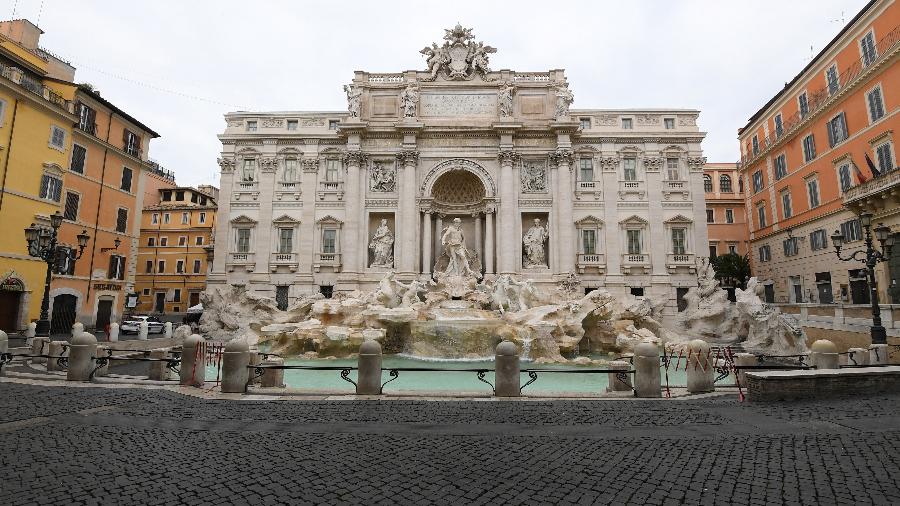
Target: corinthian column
564 222
489 241
351 251
506 251
426 243
406 232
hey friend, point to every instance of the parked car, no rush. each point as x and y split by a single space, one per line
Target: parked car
192 316
132 324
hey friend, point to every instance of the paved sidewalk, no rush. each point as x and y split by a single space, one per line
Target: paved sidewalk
62 445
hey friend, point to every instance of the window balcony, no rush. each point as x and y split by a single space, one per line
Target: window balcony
635 262
591 261
288 191
876 194
243 260
332 260
290 260
333 189
245 190
671 187
638 188
681 260
588 189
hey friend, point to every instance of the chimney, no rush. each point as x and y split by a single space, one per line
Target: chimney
22 31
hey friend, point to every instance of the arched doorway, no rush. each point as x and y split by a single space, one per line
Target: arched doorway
63 317
11 290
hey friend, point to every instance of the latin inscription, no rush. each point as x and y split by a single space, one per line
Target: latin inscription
459 105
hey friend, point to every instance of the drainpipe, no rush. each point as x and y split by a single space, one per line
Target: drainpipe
12 128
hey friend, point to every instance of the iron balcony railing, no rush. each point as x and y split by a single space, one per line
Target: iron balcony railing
35 87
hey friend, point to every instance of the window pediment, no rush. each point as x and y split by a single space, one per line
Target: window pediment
286 220
243 220
589 221
634 221
678 219
53 169
329 220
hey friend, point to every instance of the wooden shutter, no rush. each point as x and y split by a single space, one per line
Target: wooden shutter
71 209
122 220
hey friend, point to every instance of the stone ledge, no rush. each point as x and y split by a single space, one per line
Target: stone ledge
821 384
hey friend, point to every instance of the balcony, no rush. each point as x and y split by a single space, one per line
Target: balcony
637 188
681 261
332 189
677 188
288 191
289 260
588 189
591 261
88 128
242 260
245 190
18 77
635 263
332 260
875 195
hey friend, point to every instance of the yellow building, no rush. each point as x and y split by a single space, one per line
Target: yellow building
36 118
176 236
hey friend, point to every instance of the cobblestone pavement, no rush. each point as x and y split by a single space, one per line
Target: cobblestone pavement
63 445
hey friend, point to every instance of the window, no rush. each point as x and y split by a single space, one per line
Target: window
248 174
167 196
179 196
627 124
242 243
71 209
713 251
812 190
285 240
65 261
761 215
131 143
589 241
837 130
182 240
809 148
167 218
202 217
584 123
185 218
710 216
163 241
149 267
251 126
732 249
765 253
867 48
196 266
672 169
146 291
629 171
333 124
885 158
780 166
116 267
669 123
292 124
757 181
725 183
786 208
740 184
851 230
791 246
831 75
121 220
57 138
803 102
176 297
87 119
161 266
586 166
876 104
79 153
193 197
779 125
154 219
729 216
179 266
329 241
679 246
633 241
199 240
126 179
151 242
2 111
707 183
51 187
844 177
332 169
290 170
755 142
818 239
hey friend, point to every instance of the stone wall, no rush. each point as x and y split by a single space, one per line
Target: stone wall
766 386
845 325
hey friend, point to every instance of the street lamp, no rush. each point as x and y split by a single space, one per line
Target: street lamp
42 244
871 259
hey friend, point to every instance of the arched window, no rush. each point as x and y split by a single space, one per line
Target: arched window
725 183
707 183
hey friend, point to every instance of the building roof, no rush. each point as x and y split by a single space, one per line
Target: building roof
96 96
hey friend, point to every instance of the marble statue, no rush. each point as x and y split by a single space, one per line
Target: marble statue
533 242
505 100
354 95
768 329
508 294
454 243
382 246
534 178
564 99
409 99
384 178
460 58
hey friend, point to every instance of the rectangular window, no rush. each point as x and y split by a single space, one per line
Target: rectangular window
151 242
584 123
116 267
786 209
791 247
710 216
885 158
761 216
867 48
876 104
627 124
630 169
332 168
131 143
163 241
167 218
803 102
121 220
732 249
809 148
333 124
185 218
290 170
285 240
292 124
779 125
818 239
812 189
154 219
176 297
672 169
729 216
242 240
182 240
589 241
251 126
844 177
196 266
248 174
679 246
634 241
149 267
87 118
757 181
71 209
831 75
179 196
126 179
713 251
669 123
586 166
51 188
765 253
146 291
199 240
851 230
202 217
329 241
161 266
79 153
179 266
837 130
57 138
755 142
780 166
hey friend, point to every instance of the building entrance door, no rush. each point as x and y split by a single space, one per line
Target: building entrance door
769 293
160 305
859 287
9 310
63 316
195 299
104 310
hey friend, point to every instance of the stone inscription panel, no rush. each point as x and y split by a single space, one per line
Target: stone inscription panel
470 104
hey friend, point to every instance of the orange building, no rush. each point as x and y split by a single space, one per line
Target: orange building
726 216
805 150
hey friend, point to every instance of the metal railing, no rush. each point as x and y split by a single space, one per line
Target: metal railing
621 375
172 363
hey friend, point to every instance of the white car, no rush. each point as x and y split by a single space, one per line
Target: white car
132 324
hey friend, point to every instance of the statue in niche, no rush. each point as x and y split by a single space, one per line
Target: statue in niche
409 98
505 99
382 246
564 99
454 243
384 178
533 178
533 242
353 100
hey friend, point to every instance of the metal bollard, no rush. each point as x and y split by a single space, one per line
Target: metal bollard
273 378
167 330
700 369
193 367
40 346
615 383
823 354
235 360
81 357
158 370
743 359
879 354
857 356
647 382
113 332
368 381
143 330
507 377
55 349
102 351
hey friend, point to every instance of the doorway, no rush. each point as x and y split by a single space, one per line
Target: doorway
194 299
159 305
9 310
769 293
63 316
104 311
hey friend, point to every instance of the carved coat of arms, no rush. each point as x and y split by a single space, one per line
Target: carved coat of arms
460 58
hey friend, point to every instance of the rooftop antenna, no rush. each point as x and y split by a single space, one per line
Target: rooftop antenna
841 20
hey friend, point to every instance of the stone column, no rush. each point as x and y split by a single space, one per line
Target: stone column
406 232
437 235
426 242
506 257
564 221
352 260
272 378
262 236
223 230
489 242
40 346
616 384
478 249
878 354
193 363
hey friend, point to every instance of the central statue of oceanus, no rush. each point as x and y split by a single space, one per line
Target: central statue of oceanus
458 269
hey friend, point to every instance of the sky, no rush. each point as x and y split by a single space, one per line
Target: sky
178 66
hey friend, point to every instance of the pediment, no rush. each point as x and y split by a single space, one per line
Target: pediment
674 149
285 219
630 150
587 149
634 220
248 152
589 220
53 168
243 220
679 219
289 152
329 219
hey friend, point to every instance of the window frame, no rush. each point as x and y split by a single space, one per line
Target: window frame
130 172
864 55
781 169
627 123
54 187
787 204
118 218
65 204
761 216
707 183
760 184
803 104
809 181
837 79
53 130
844 165
83 160
876 150
833 133
809 148
877 88
725 184
778 122
729 216
710 215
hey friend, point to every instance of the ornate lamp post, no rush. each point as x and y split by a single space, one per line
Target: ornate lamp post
42 244
871 259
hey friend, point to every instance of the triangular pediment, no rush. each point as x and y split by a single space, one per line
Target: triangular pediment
634 220
678 219
285 219
329 219
53 168
589 220
243 220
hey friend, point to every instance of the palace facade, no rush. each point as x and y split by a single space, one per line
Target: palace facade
616 195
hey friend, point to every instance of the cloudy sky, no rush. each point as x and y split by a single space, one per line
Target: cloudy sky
180 65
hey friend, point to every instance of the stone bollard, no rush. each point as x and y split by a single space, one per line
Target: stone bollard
77 329
102 351
857 356
647 382
113 332
30 332
158 370
81 357
273 378
143 330
167 330
235 360
823 354
4 342
507 378
700 368
55 349
255 359
879 354
615 384
368 381
40 346
193 367
743 359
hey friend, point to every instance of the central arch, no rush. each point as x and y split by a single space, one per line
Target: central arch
458 165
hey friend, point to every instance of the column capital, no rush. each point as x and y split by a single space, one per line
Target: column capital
507 157
562 156
356 157
408 157
310 165
226 164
